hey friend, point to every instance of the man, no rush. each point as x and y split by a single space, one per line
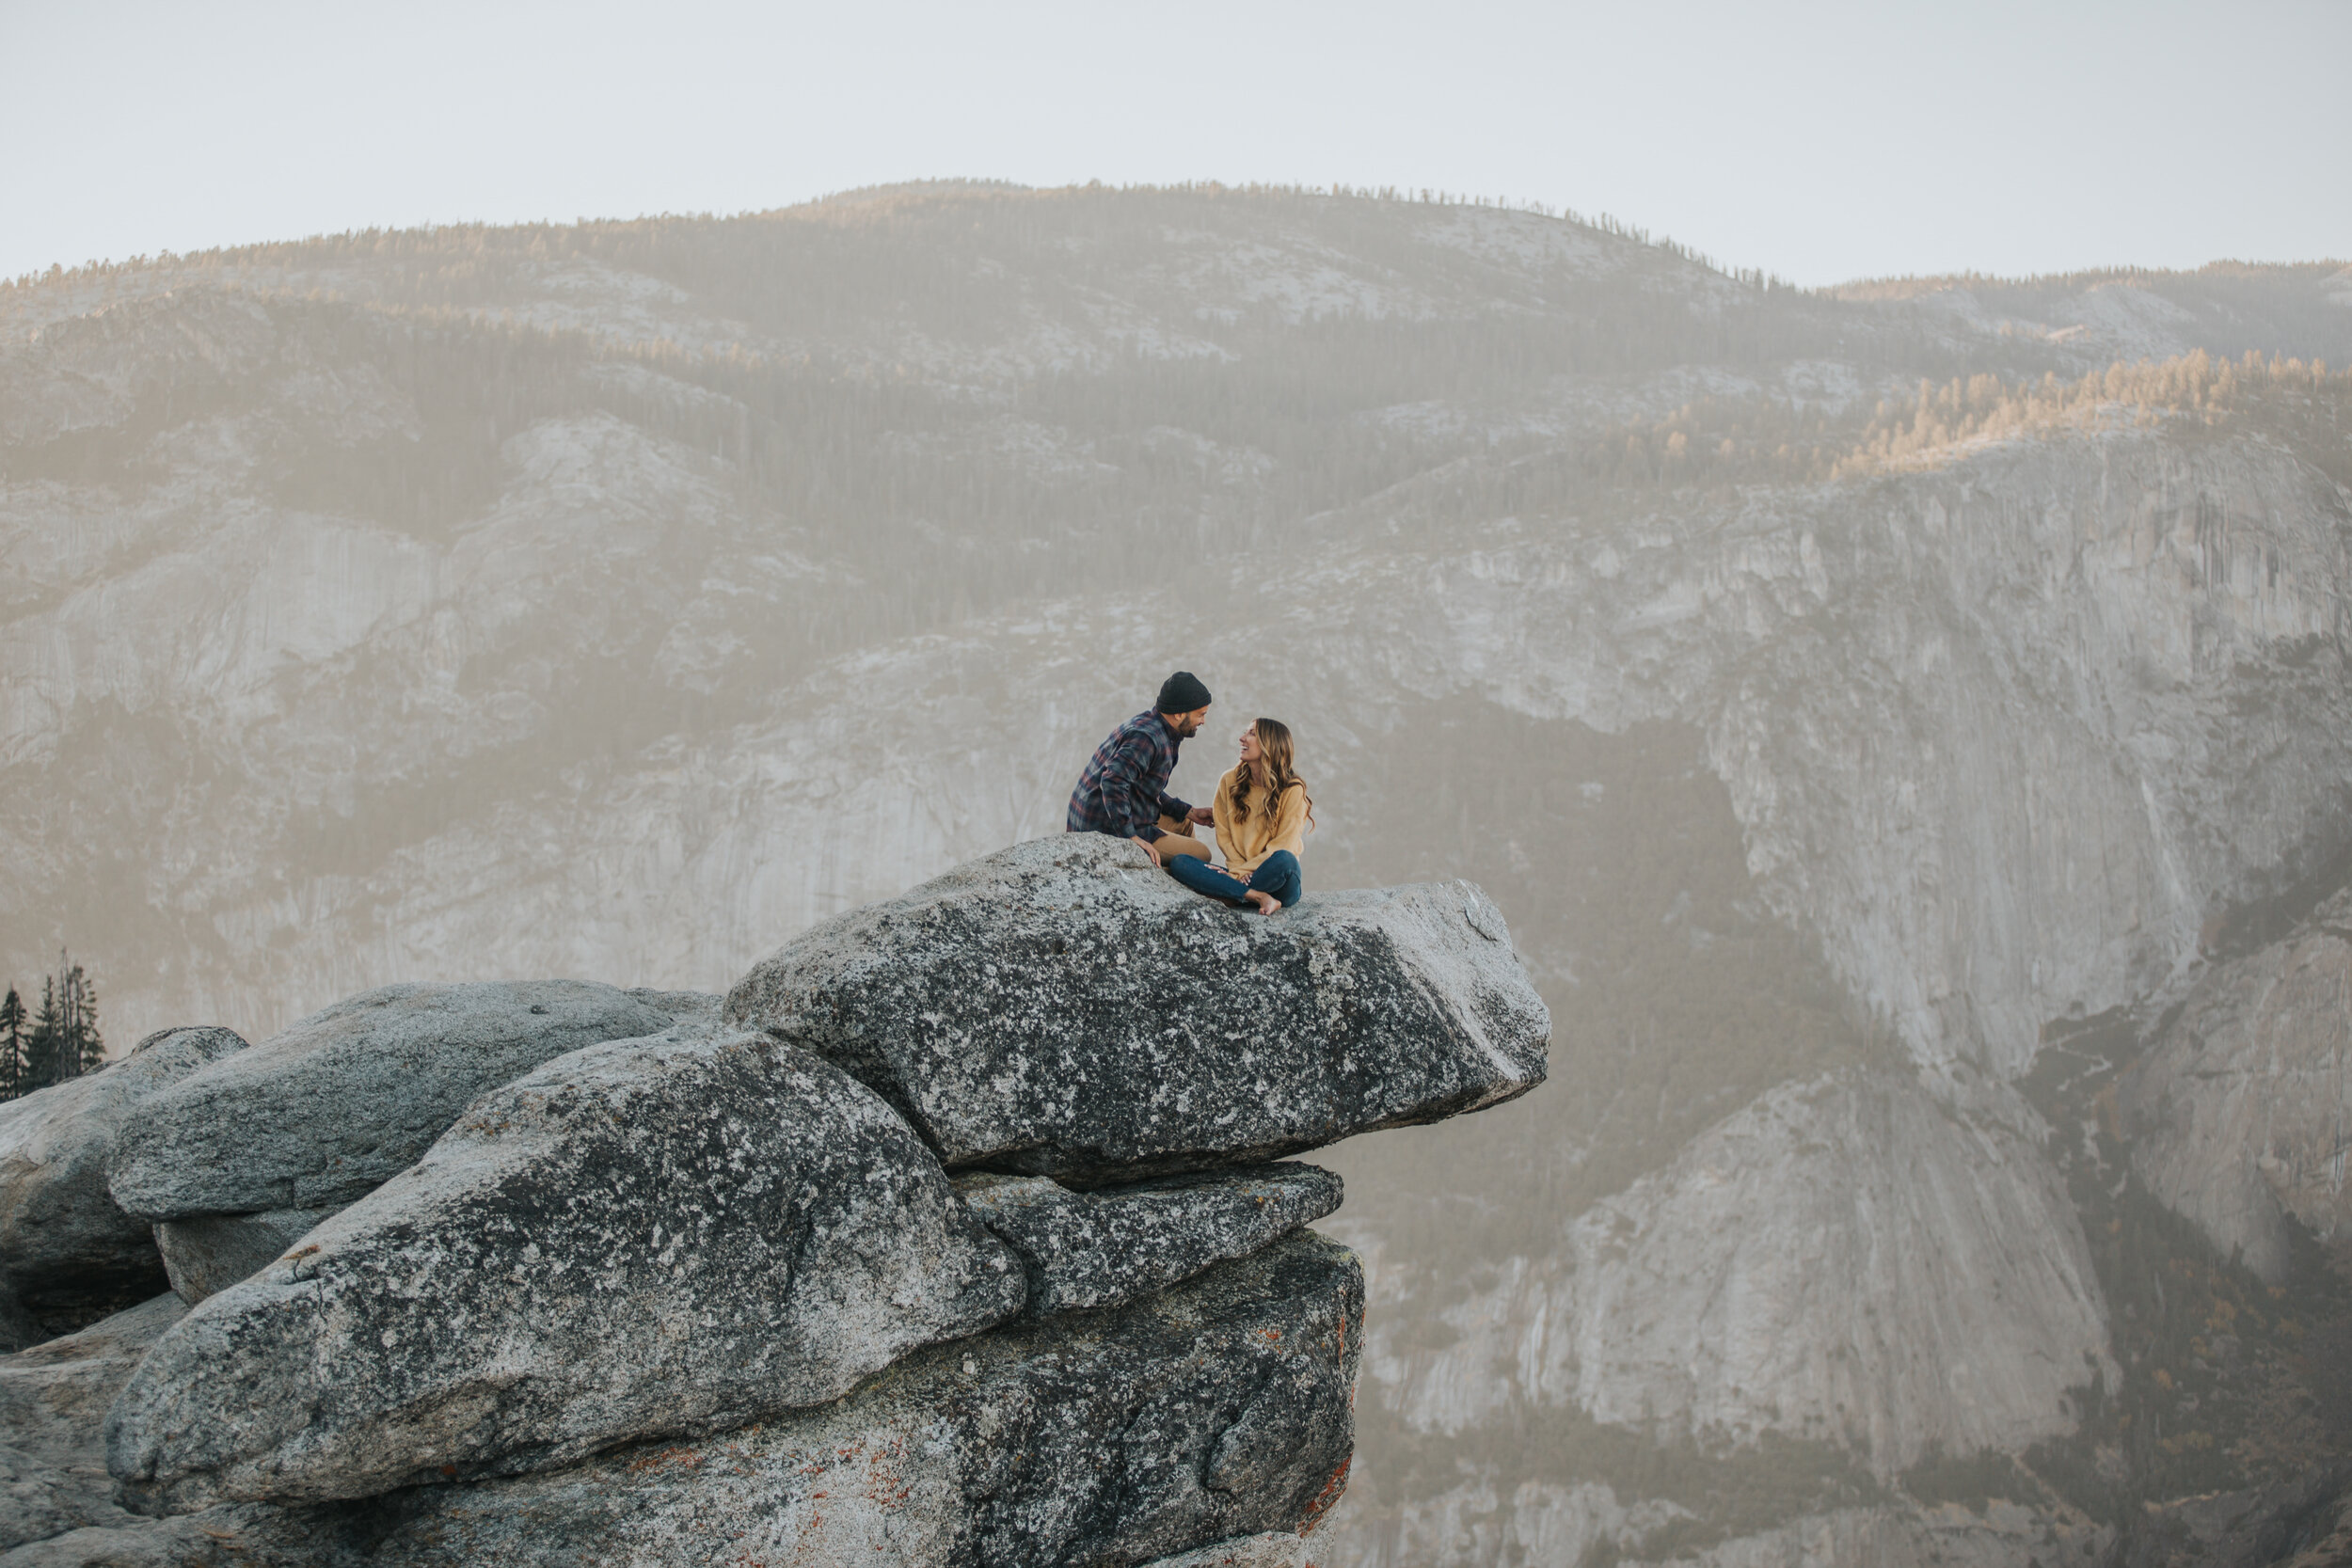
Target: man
1123 792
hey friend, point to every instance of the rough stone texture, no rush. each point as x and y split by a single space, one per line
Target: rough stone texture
67 1254
644 1237
2329 1533
327 1111
1108 1246
2252 1527
1272 1550
53 1403
682 1007
2240 1114
206 1254
1847 1260
1010 1008
1217 1409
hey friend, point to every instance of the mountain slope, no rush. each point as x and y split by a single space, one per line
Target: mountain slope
1842 693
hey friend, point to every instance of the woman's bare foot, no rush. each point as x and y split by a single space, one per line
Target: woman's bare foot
1265 902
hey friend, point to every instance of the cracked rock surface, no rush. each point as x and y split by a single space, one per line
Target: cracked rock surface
646 1237
1011 1008
1108 1246
324 1111
69 1255
53 1472
1218 1411
206 1253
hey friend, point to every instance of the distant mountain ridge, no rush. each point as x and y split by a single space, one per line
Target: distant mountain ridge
1851 696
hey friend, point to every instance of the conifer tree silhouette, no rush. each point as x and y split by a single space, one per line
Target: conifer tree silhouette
40 1046
12 1045
62 1039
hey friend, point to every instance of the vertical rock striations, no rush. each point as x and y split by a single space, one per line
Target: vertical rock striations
2240 1114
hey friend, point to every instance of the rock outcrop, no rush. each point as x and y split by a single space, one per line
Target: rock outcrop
53 1401
702 1294
1011 1009
206 1253
1108 1246
2240 1114
338 1104
644 1238
1215 1410
69 1255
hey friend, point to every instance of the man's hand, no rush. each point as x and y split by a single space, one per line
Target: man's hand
1150 849
1201 816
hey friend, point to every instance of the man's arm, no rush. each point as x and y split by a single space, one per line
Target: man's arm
1123 772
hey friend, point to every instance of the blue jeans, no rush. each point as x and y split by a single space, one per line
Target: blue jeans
1277 874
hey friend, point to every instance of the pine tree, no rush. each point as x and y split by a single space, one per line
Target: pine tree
12 1045
40 1046
81 1047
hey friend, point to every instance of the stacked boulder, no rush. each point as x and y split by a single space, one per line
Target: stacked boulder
961 1232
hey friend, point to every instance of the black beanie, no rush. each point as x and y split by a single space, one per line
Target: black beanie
1181 692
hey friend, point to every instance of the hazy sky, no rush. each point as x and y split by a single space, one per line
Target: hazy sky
1823 141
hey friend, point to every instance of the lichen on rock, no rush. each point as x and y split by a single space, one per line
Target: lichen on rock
646 1237
1111 1245
324 1111
1063 1009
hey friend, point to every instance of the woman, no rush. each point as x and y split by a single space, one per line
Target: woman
1262 813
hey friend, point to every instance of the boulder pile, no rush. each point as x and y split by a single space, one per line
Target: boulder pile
959 1233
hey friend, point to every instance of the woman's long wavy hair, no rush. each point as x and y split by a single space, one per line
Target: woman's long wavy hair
1273 768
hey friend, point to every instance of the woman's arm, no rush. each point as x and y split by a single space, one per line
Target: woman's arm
1290 823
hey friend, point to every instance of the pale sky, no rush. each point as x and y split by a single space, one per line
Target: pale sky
1821 141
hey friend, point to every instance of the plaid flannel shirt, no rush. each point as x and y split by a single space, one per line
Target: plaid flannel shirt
1123 792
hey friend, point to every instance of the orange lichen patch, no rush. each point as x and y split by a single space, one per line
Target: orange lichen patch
1270 1336
687 1457
1332 1491
884 1485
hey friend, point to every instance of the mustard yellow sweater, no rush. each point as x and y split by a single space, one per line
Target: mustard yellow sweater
1248 841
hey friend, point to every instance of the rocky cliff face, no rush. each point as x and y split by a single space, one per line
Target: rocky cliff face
705 1293
2238 1115
1858 764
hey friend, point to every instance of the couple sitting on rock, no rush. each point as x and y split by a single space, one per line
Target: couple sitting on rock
1260 810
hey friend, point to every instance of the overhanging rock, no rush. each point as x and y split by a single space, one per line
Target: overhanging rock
1108 1246
1063 1009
